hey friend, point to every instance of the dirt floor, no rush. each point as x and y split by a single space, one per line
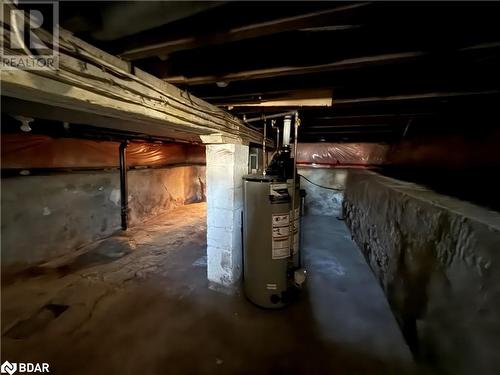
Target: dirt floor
138 303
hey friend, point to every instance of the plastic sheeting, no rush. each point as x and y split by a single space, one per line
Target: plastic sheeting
341 154
26 151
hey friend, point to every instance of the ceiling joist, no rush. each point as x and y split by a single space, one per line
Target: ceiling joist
352 63
82 85
239 33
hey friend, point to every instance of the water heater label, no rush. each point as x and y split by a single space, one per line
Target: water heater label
280 220
281 248
281 231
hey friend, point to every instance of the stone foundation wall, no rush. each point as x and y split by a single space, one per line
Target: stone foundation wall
44 217
153 191
437 259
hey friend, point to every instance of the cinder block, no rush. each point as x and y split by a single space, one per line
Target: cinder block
220 154
220 176
223 198
220 237
226 165
215 272
220 218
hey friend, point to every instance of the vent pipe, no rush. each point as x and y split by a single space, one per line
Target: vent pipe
123 185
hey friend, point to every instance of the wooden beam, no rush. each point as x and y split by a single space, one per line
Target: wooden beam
306 102
352 63
373 116
141 129
430 95
346 126
238 33
221 139
299 98
481 46
95 83
395 98
329 28
334 132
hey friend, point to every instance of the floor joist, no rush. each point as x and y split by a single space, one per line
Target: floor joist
95 83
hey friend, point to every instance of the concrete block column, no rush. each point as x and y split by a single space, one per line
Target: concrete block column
226 165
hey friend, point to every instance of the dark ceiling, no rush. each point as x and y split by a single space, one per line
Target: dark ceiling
393 69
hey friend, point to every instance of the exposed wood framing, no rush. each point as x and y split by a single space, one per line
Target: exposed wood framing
238 33
299 98
93 82
395 98
429 95
298 70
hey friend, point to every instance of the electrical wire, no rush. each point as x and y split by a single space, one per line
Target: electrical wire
321 186
230 124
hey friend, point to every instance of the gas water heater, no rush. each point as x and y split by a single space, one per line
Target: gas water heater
272 271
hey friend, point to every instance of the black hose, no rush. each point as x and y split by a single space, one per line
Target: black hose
321 186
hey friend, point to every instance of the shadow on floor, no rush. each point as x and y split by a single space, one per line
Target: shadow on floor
150 312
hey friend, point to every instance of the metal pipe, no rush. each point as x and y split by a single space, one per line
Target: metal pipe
264 155
277 138
270 116
287 124
407 127
302 212
123 185
292 217
273 126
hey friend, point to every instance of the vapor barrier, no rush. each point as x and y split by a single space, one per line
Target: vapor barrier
25 151
341 154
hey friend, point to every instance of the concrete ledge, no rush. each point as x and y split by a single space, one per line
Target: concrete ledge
436 258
